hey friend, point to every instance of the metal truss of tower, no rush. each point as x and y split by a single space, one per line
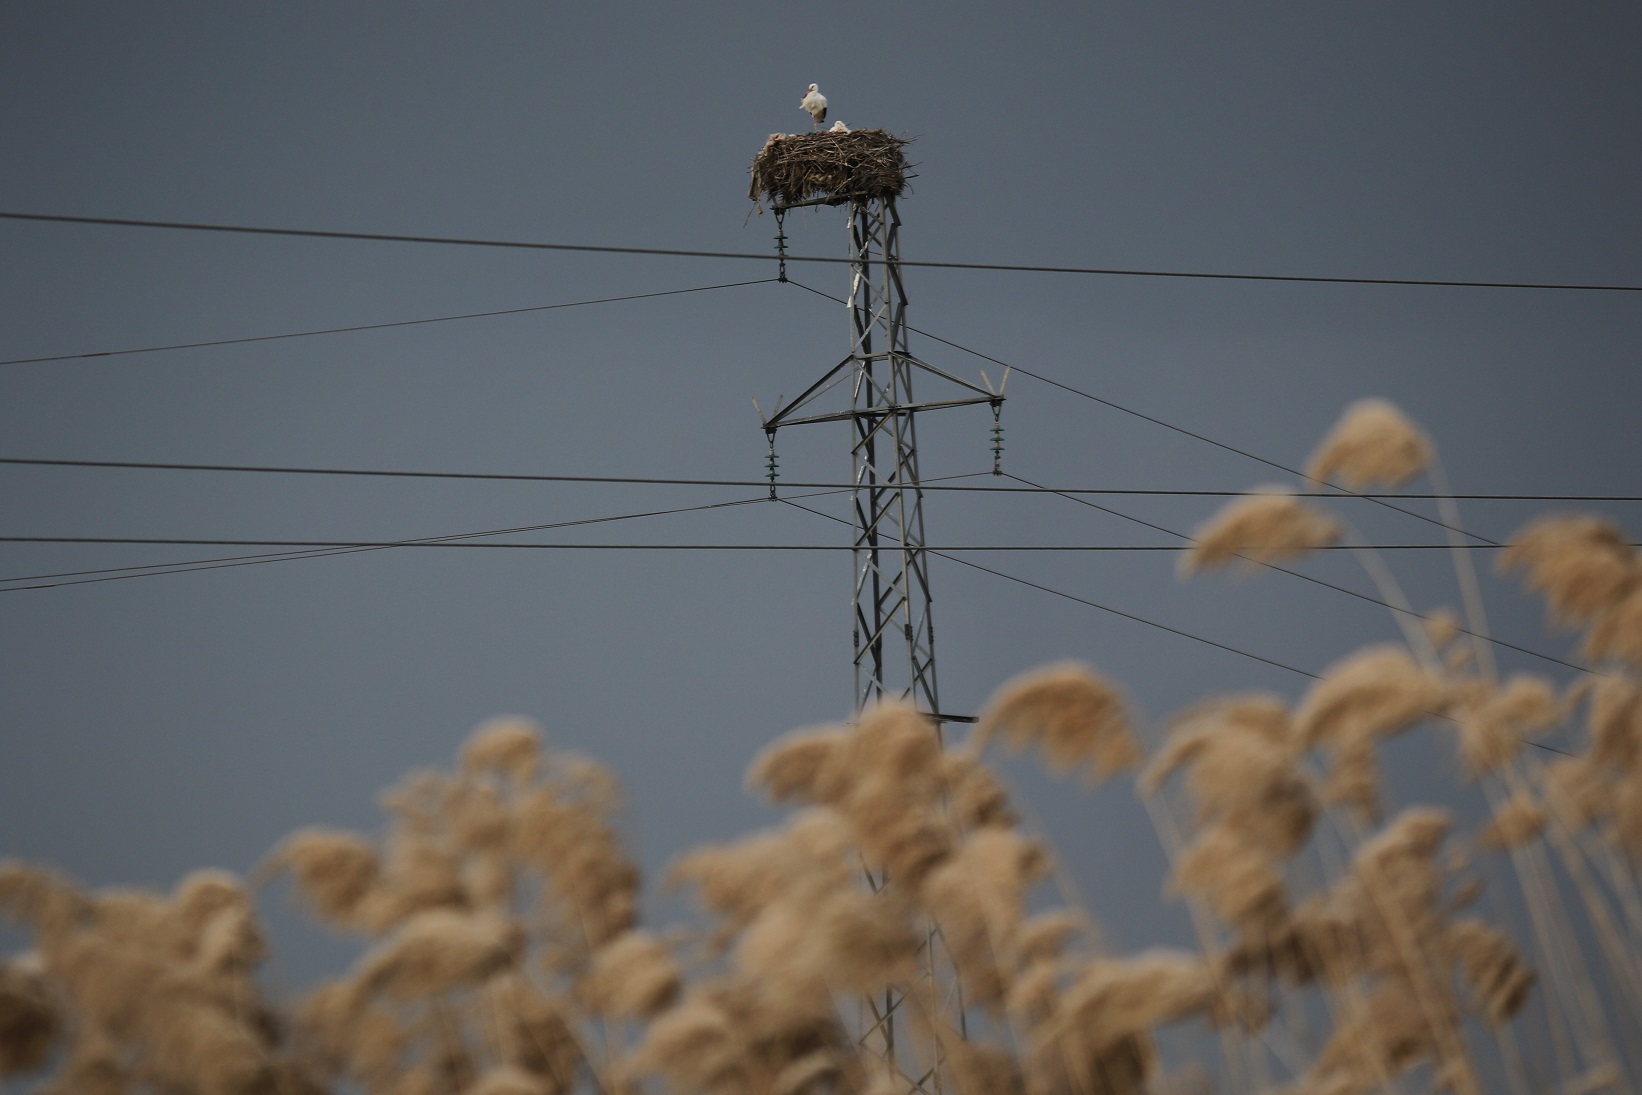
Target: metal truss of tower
894 629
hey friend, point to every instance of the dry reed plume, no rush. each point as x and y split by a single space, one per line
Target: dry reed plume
1348 943
1268 524
1374 443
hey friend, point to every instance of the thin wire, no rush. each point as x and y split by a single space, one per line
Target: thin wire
378 326
758 256
1191 541
222 562
146 465
1080 600
185 541
317 550
1138 619
1171 426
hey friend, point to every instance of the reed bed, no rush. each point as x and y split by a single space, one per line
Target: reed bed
1347 943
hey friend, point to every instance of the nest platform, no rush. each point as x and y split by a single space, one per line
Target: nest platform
829 168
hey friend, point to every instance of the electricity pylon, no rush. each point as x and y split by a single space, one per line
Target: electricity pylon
894 633
894 628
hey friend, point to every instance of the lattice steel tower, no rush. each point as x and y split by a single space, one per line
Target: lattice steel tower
894 626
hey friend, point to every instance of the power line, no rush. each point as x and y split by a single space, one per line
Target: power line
1142 619
378 326
186 541
930 485
941 553
464 241
153 570
1192 541
1170 426
317 550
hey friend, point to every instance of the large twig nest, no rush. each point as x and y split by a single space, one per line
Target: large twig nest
834 167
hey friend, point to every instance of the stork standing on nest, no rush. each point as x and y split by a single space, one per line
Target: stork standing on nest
816 104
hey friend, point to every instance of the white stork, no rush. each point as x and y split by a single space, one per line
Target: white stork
816 104
839 127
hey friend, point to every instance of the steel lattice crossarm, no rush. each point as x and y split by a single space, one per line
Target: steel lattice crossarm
894 638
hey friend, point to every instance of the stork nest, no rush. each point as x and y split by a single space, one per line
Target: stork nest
794 168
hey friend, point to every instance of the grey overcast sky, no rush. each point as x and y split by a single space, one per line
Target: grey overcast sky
159 723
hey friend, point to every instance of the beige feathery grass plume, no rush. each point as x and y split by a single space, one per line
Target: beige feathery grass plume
1492 967
812 852
836 941
508 1080
631 976
1041 938
1112 999
1067 710
1034 993
1615 721
1059 1059
1580 563
31 1018
790 768
1495 721
438 950
40 897
421 872
1266 525
533 1031
510 745
214 925
898 832
199 1048
1236 879
1626 825
478 818
1373 444
1374 1041
1517 821
1375 693
976 1069
976 798
696 1045
131 916
1442 627
1353 781
334 871
978 897
1617 632
1578 790
93 1068
328 1027
109 980
884 775
1321 940
815 1072
892 744
564 830
1243 771
1394 891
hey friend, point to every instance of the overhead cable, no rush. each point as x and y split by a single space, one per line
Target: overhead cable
928 485
1188 542
1169 425
315 550
531 245
258 542
377 326
1137 618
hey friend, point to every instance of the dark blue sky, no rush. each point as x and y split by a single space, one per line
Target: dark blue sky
156 724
